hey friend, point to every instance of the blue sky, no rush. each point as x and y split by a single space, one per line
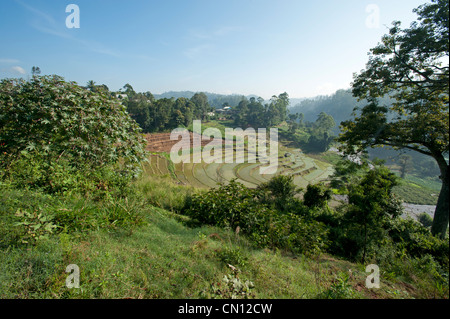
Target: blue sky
262 47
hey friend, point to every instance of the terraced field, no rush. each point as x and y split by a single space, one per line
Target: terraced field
293 162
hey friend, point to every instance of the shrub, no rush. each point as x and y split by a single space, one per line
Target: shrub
225 206
425 219
235 205
52 133
35 226
28 217
230 287
232 256
339 289
418 241
317 195
371 207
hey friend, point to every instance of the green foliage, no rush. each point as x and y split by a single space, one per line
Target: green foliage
425 219
57 135
372 205
258 115
226 206
235 205
348 172
102 238
32 170
407 66
281 186
28 217
35 226
109 214
313 137
317 195
417 241
413 193
279 193
232 256
63 120
320 134
370 227
339 105
339 289
156 115
231 287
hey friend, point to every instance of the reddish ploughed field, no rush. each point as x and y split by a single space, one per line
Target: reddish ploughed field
161 142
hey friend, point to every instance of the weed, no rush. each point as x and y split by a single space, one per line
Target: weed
233 256
339 289
35 226
230 287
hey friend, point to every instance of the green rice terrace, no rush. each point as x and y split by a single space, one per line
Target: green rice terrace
292 162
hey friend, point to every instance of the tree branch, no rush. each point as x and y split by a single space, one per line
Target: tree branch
388 142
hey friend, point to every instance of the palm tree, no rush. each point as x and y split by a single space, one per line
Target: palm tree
91 85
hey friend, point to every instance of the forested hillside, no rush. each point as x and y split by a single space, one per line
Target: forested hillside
216 101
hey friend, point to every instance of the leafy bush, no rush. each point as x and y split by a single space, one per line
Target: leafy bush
52 133
418 241
35 226
339 289
371 207
31 170
279 192
231 287
235 205
28 217
226 206
232 256
317 195
425 219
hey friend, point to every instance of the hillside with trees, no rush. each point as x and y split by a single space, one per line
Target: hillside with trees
81 193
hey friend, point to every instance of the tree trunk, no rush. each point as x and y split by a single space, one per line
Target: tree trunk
441 214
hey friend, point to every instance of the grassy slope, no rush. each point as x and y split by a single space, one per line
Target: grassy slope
164 258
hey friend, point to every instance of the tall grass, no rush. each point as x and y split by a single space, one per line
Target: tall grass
163 192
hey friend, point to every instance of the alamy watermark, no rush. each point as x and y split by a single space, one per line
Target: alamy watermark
373 280
73 280
73 19
373 19
235 142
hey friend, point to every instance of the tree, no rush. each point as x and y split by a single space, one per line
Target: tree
293 125
138 106
240 118
317 195
280 192
91 86
325 122
277 109
371 206
35 70
320 134
405 162
129 90
256 113
62 121
407 66
202 104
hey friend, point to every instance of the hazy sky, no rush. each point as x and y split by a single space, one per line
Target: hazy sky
262 47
